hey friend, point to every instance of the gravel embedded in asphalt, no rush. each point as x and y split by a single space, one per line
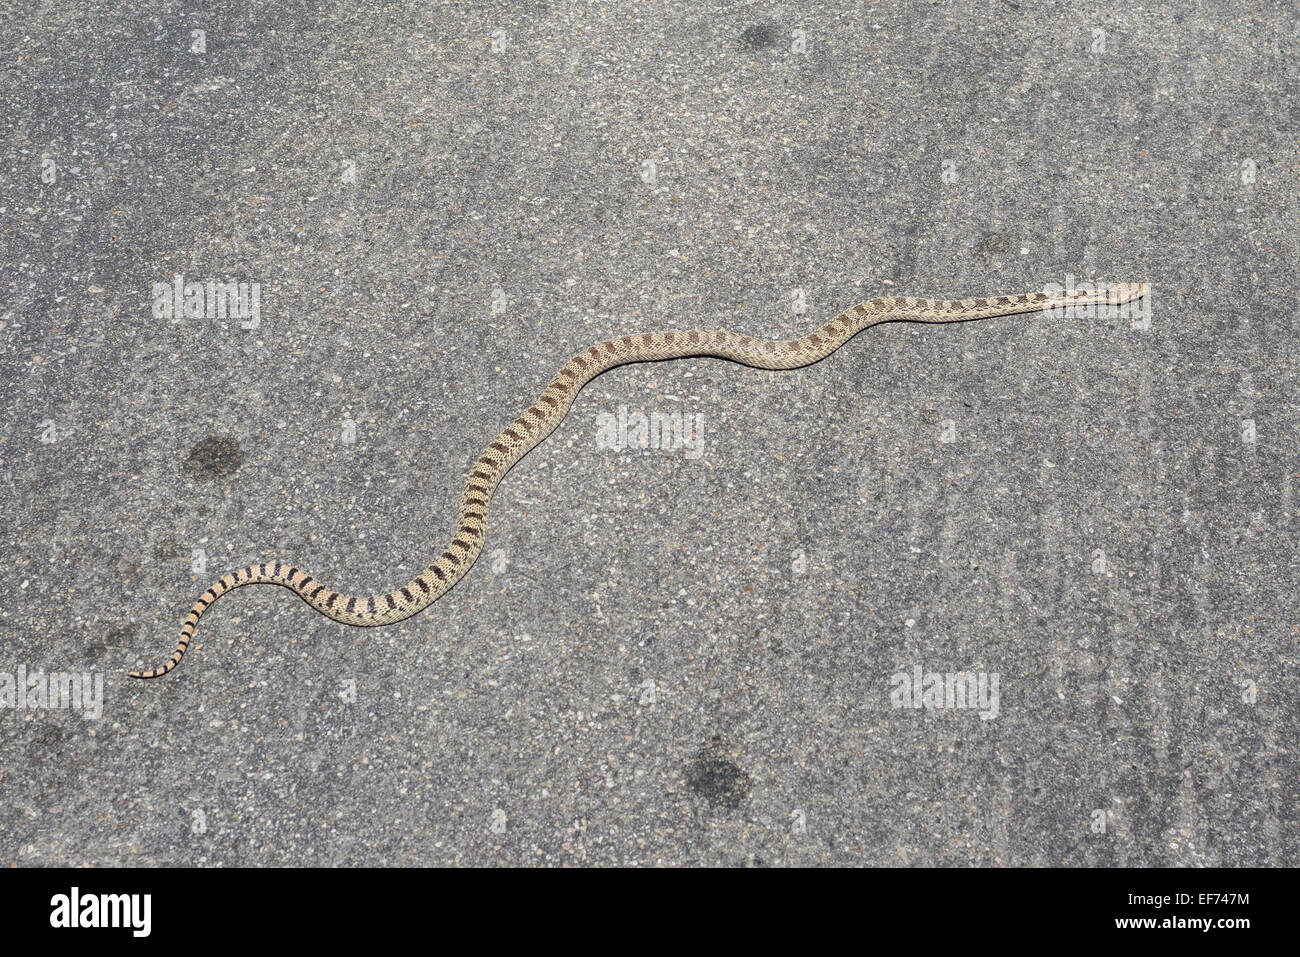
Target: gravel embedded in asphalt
682 653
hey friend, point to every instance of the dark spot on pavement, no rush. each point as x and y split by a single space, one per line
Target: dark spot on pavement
760 35
215 457
121 637
46 744
993 248
718 779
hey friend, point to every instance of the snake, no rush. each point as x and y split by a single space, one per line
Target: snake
542 417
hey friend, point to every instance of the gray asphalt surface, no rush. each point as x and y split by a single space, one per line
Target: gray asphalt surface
667 656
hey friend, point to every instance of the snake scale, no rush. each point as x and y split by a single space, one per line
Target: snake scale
541 418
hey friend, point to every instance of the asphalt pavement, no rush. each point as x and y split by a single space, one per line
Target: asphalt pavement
1014 592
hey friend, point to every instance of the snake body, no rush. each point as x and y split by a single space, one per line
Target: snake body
541 418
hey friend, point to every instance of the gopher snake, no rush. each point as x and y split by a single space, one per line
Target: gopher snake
545 414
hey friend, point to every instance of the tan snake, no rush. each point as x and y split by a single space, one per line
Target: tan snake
545 414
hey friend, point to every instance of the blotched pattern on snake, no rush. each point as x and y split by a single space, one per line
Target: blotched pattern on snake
541 418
